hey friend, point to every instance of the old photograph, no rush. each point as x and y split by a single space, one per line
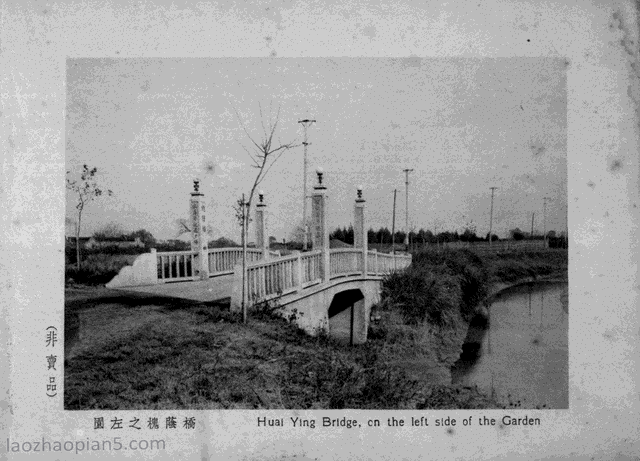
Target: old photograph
316 233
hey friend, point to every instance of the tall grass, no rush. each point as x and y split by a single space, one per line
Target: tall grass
440 284
437 287
98 268
511 266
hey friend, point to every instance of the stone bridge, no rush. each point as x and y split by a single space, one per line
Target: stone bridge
330 290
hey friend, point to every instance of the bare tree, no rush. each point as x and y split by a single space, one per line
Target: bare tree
182 226
264 153
87 190
237 209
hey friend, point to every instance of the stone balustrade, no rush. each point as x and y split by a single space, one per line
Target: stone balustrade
345 262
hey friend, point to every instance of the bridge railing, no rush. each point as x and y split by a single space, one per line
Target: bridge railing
176 266
269 279
384 263
311 268
345 261
224 260
266 279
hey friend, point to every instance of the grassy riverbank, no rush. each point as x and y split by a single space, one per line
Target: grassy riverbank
441 287
134 352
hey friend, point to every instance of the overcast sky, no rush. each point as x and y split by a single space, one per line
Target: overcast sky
152 125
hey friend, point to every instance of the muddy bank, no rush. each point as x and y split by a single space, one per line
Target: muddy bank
426 353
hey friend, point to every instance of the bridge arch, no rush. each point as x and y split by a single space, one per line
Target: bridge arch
347 316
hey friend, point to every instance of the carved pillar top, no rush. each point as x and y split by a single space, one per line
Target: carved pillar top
196 188
320 174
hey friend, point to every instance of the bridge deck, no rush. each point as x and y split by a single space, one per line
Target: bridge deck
214 289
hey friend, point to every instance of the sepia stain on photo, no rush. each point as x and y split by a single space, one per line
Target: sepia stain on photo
316 233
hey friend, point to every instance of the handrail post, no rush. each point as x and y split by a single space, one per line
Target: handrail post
262 241
199 231
320 230
360 239
374 270
299 271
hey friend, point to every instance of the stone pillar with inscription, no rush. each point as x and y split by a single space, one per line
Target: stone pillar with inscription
262 241
320 231
360 229
199 232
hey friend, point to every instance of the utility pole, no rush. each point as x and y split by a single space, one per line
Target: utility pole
393 227
544 218
533 215
491 216
244 261
305 124
567 225
406 215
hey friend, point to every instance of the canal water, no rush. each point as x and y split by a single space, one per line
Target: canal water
520 354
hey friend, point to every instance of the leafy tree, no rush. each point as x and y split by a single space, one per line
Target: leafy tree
349 236
371 236
428 236
222 242
399 237
145 237
383 235
109 231
297 234
468 236
516 234
494 237
86 189
337 234
469 233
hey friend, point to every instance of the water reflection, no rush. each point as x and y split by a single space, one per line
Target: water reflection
520 353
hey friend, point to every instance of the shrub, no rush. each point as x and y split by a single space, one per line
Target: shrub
98 269
363 380
437 286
